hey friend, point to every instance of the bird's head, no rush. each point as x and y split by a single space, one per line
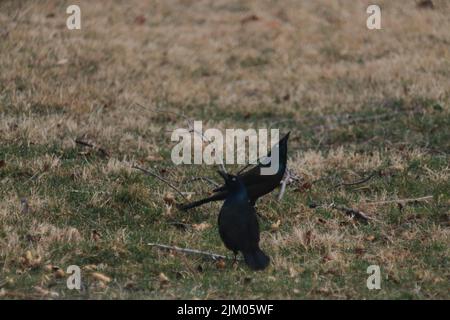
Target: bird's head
232 182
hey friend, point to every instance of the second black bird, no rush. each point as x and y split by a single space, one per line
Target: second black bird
256 183
238 225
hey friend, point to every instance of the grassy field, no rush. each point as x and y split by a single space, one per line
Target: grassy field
360 104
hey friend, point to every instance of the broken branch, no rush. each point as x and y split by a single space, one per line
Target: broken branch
356 182
213 256
150 173
189 124
401 201
284 182
353 213
90 145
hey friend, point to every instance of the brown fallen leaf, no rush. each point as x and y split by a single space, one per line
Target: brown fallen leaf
31 261
101 277
169 198
220 264
201 226
45 292
90 267
249 18
275 226
153 157
168 211
163 279
59 273
140 20
330 256
48 267
62 62
292 272
425 4
96 236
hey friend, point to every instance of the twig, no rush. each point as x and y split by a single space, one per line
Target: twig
150 173
213 256
284 182
189 124
352 212
402 201
90 145
356 182
211 181
289 176
180 225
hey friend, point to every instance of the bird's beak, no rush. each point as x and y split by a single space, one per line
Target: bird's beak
223 175
286 136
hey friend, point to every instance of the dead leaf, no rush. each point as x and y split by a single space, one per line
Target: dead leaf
292 272
249 18
220 264
101 277
48 268
31 261
140 20
163 279
168 212
90 267
45 292
62 62
425 4
153 157
201 226
169 198
330 256
96 236
370 238
59 273
2 163
129 285
275 226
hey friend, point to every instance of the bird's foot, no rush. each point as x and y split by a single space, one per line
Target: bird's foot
234 264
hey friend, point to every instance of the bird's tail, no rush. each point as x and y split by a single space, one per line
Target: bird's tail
215 197
256 260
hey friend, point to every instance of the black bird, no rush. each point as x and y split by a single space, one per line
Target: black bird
257 184
238 225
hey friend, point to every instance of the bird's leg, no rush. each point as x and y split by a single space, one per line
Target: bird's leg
234 263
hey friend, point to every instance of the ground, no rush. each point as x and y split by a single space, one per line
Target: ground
368 110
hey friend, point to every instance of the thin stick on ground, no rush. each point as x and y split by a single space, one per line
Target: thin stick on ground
289 177
284 182
364 180
213 256
211 181
189 124
150 173
353 213
95 147
401 201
